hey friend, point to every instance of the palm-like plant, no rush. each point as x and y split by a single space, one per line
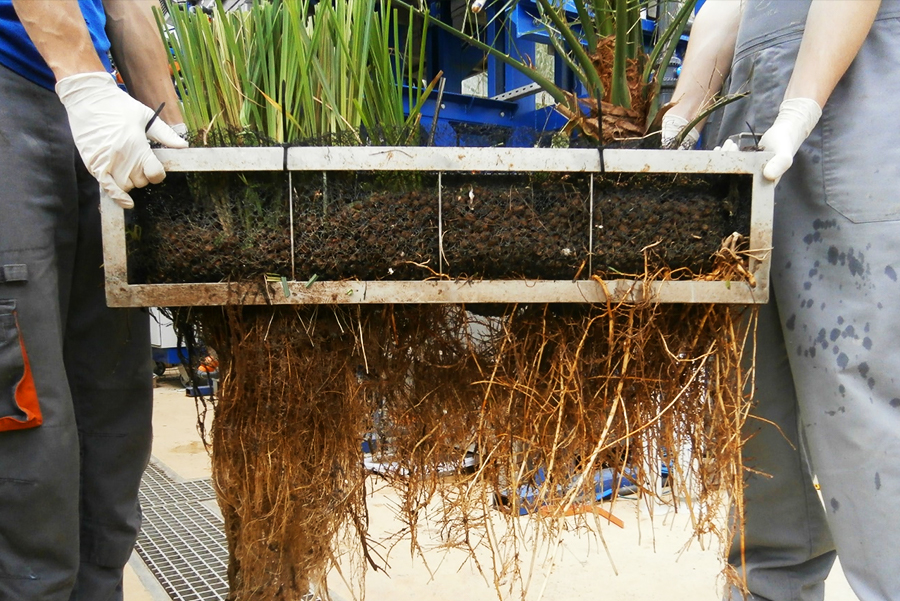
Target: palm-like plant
601 42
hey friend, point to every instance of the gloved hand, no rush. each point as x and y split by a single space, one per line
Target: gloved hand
180 129
671 126
728 145
108 128
796 119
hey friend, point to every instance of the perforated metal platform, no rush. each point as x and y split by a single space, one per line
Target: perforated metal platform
182 541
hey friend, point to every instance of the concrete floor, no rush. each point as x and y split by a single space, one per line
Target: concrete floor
652 557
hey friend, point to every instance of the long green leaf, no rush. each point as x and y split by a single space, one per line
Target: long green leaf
588 25
619 92
667 41
558 19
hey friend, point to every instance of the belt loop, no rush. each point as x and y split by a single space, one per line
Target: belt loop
13 273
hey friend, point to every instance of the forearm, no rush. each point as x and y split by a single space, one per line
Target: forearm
835 31
58 31
707 60
140 56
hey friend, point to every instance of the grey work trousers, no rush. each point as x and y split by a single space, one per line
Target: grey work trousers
69 512
828 353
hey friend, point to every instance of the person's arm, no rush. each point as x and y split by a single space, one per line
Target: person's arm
58 31
140 56
707 60
835 31
706 64
110 128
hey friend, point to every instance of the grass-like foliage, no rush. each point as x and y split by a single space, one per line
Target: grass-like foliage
297 70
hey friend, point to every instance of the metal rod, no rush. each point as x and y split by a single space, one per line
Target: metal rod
120 294
291 208
591 232
440 226
433 159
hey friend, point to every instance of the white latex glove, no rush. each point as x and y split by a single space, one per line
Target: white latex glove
728 145
796 119
108 128
180 129
671 126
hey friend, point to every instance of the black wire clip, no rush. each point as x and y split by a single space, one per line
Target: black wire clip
154 116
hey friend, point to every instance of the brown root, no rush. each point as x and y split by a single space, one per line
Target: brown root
286 446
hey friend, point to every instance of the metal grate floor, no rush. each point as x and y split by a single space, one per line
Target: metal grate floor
181 540
158 488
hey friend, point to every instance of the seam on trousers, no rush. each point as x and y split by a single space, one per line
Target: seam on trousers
17 577
17 481
21 250
797 585
103 435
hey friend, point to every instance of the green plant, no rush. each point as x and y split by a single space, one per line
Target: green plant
294 70
600 41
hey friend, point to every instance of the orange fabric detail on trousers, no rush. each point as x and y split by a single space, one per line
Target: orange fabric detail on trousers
26 399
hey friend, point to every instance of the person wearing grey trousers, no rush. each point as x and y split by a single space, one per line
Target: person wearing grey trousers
75 375
823 85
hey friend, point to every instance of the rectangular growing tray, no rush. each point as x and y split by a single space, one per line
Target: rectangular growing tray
122 294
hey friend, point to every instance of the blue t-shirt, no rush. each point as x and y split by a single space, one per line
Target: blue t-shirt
18 53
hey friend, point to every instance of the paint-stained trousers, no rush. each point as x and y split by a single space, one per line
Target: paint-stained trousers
829 350
69 511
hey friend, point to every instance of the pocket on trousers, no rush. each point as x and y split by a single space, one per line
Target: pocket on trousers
860 152
19 408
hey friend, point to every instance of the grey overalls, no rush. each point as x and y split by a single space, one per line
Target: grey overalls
68 487
829 345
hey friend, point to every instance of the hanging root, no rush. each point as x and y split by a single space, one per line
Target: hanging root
286 445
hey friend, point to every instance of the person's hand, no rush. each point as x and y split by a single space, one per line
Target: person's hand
180 129
796 119
671 127
108 127
728 145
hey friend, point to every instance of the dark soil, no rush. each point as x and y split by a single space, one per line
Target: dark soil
212 227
